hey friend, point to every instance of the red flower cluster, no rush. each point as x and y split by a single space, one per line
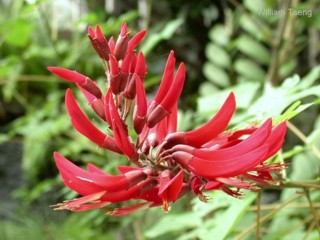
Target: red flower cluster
168 163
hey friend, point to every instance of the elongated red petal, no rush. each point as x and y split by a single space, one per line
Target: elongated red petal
174 187
141 107
228 168
173 119
115 116
165 83
69 75
93 169
73 76
107 99
123 142
167 78
99 34
111 44
135 40
174 93
254 141
84 181
276 139
208 131
83 125
141 66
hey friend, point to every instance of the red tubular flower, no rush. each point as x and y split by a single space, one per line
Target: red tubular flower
165 83
168 164
208 131
121 134
224 168
135 40
83 125
164 107
73 76
87 182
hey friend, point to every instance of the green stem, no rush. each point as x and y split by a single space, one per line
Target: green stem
268 216
258 237
312 209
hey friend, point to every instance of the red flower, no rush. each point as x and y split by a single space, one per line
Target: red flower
205 159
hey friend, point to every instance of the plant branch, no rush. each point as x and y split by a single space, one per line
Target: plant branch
268 216
303 138
258 237
273 72
273 206
312 209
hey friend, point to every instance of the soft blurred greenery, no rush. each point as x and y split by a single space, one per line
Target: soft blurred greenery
270 61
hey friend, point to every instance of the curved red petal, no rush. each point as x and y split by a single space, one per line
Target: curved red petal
228 168
215 126
255 140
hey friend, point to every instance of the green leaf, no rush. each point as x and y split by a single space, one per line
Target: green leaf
292 111
253 49
223 223
218 55
244 93
174 223
249 26
219 35
308 80
249 70
216 75
305 166
288 67
206 89
168 31
18 32
254 6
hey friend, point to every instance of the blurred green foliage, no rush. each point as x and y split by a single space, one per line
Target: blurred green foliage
269 61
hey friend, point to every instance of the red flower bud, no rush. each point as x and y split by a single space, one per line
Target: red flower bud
99 42
121 46
73 76
140 108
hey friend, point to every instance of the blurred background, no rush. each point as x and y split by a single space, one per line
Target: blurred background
269 59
